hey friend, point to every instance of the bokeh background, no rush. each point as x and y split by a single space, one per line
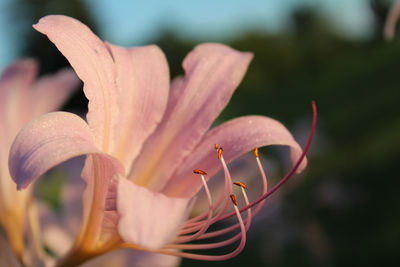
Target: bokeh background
344 210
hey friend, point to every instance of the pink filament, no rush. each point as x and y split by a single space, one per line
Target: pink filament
196 224
213 257
221 243
205 226
255 212
228 183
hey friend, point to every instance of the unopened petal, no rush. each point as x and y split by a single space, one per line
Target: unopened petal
236 137
46 142
143 84
149 219
94 65
213 71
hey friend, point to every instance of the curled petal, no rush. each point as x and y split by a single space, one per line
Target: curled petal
47 141
237 136
213 72
94 65
149 219
143 84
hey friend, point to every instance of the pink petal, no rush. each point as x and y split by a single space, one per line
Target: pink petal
7 257
17 76
94 65
100 215
237 136
15 83
59 230
71 195
18 93
126 257
145 259
213 72
148 219
46 142
143 84
53 90
54 231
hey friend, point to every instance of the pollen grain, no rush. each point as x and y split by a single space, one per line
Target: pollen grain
198 171
240 184
233 198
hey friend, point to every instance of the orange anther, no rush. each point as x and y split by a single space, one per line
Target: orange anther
256 152
216 146
198 171
233 198
240 184
220 152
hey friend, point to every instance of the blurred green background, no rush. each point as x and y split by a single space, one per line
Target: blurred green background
344 210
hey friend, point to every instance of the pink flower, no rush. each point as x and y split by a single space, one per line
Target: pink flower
22 99
144 137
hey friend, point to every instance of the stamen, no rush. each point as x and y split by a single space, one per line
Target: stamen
193 225
203 229
233 198
290 173
233 227
202 226
228 182
198 171
216 146
240 184
256 152
190 225
220 152
261 200
209 257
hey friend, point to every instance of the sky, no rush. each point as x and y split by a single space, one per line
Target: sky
206 20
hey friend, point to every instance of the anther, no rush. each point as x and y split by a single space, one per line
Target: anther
240 184
198 171
216 146
233 198
256 152
220 152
